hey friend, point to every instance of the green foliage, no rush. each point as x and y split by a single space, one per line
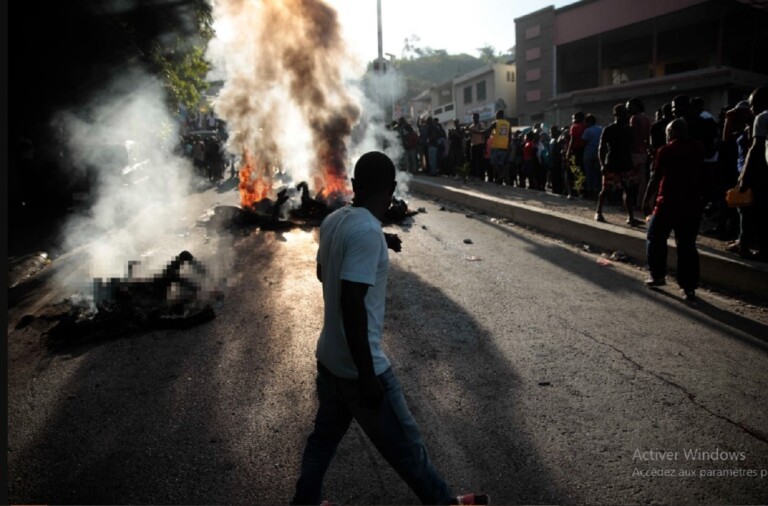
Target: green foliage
463 170
579 178
435 68
183 71
488 54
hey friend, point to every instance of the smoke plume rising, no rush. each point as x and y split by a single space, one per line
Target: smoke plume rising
138 192
291 98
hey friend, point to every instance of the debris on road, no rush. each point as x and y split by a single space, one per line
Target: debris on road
473 259
604 262
619 256
468 241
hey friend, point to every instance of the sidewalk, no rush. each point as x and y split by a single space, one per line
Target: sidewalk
574 220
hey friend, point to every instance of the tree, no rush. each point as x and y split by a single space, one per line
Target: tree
487 53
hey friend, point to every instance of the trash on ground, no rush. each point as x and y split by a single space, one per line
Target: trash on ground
473 259
604 262
619 256
468 241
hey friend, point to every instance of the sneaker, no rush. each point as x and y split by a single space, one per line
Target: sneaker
599 217
633 222
472 499
655 282
689 295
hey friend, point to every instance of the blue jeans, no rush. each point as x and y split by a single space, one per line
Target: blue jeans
593 181
391 429
686 229
433 161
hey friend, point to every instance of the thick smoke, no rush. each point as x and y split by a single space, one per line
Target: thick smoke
124 139
291 98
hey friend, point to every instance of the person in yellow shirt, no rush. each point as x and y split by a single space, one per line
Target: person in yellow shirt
501 133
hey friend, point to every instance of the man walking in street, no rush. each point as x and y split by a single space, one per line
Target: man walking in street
355 377
679 189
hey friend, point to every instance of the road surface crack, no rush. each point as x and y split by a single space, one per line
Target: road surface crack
691 396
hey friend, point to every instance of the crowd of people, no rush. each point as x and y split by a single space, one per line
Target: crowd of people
596 162
675 169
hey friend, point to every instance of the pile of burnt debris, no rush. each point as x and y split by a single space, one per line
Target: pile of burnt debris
180 296
268 214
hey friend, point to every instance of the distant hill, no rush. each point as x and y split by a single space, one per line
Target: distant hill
438 67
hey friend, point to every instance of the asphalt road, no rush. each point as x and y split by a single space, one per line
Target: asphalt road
537 375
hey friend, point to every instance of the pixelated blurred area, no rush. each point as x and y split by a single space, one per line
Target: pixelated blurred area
180 296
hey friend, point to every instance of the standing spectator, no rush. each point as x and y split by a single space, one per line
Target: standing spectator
617 168
410 145
591 138
556 161
456 147
677 183
501 135
355 378
198 156
564 141
424 144
530 161
659 129
516 162
575 151
641 133
477 138
754 230
736 133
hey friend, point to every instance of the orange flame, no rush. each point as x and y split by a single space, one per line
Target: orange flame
332 185
255 185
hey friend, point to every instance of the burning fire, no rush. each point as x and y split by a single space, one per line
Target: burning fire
255 183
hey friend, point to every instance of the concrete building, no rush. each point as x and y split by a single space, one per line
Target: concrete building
593 54
485 91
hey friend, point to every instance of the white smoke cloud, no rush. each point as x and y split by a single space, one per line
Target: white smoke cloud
292 96
125 138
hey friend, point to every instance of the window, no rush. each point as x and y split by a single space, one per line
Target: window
468 95
510 76
532 32
480 91
533 54
533 95
449 108
533 74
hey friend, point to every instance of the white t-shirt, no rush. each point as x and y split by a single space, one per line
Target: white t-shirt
352 248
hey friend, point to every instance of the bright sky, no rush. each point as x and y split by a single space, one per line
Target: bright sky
458 27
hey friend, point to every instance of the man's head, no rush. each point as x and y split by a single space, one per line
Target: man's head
677 130
476 117
758 100
374 178
590 120
635 106
499 114
620 113
578 117
697 105
681 106
666 110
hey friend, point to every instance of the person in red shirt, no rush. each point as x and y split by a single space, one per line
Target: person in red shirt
679 190
530 160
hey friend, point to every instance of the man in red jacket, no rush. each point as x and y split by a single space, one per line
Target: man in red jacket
678 185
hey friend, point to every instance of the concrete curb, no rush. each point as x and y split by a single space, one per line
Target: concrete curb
716 270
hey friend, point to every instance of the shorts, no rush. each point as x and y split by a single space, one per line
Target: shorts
620 180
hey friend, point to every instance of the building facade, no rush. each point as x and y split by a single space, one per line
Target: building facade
485 91
593 54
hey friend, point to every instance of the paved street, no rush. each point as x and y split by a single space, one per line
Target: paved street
537 375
